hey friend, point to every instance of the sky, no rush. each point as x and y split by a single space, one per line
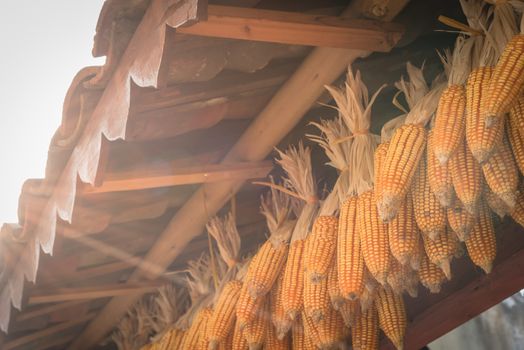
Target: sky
43 44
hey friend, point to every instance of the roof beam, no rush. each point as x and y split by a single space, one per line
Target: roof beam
31 337
41 311
296 29
140 179
282 113
67 294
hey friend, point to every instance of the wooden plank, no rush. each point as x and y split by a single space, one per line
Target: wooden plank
41 311
283 112
54 342
165 177
67 294
296 29
31 337
476 297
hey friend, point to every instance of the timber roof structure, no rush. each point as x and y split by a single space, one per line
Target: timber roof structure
184 114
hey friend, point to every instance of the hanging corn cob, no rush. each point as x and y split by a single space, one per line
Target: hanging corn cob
516 132
329 333
403 234
350 310
429 214
268 262
255 331
406 147
195 334
496 204
223 318
365 332
431 276
320 247
335 295
402 278
247 307
439 176
299 341
467 179
293 284
280 319
481 243
316 299
507 80
441 250
368 295
239 341
391 315
273 342
460 221
450 122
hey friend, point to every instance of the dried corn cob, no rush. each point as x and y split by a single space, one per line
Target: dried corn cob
403 235
316 299
467 179
379 157
368 295
299 340
335 296
175 338
365 332
310 330
516 132
481 243
331 331
227 344
293 283
507 81
429 214
273 342
391 315
239 341
281 321
449 122
404 153
441 250
350 262
480 140
223 318
439 177
460 221
430 275
203 343
247 307
501 173
402 278
194 336
350 311
373 237
255 331
321 245
496 204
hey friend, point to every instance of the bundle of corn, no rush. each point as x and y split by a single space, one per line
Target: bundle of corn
481 243
467 179
429 214
507 81
407 144
365 332
516 132
430 275
296 162
439 176
391 315
450 122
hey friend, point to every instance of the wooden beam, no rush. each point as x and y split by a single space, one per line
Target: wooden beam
283 112
54 342
34 336
153 178
296 29
476 297
67 294
41 311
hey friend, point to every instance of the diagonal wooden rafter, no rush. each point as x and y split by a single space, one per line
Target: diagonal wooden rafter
296 29
282 113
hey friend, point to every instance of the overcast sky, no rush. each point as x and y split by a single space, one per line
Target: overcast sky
42 44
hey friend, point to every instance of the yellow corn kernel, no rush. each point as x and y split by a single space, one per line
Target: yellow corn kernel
402 278
481 243
321 245
441 250
506 82
350 312
430 275
272 341
404 153
350 262
247 307
310 330
379 157
195 336
391 315
467 179
316 299
501 173
481 140
239 341
429 214
403 235
450 122
281 321
373 237
331 331
439 176
255 331
516 132
223 318
460 221
293 284
365 332
265 267
335 296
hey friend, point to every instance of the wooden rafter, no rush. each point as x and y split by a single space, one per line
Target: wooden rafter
296 28
283 112
153 178
26 315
